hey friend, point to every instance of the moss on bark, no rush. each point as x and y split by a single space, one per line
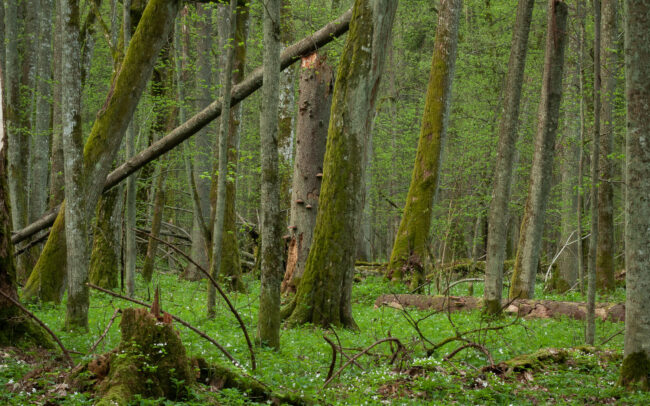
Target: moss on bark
150 361
104 259
105 137
635 371
323 295
410 247
46 280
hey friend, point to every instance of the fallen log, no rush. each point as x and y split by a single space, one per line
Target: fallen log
528 308
248 86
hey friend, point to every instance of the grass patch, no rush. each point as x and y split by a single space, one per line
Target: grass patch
302 363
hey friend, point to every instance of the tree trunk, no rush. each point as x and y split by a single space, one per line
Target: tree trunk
20 115
164 119
268 321
324 293
286 110
315 89
203 152
2 35
156 223
14 326
410 248
581 58
41 134
605 251
543 309
218 231
567 262
56 155
530 240
636 361
130 246
305 46
105 259
106 136
76 223
590 330
230 271
498 212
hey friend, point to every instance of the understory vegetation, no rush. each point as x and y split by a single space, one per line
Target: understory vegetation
564 372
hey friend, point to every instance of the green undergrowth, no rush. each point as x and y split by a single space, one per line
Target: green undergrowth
302 363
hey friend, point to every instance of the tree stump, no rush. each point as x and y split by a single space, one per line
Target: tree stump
150 361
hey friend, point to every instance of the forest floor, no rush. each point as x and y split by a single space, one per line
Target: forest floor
577 375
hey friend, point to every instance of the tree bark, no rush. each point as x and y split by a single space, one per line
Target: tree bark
305 46
567 262
498 212
324 293
2 35
203 152
613 312
14 326
56 155
315 89
605 250
286 110
105 258
590 330
130 247
230 272
42 129
530 240
76 223
218 231
636 362
19 118
410 248
106 136
268 321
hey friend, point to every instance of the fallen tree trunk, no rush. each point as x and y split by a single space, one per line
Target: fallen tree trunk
523 307
184 131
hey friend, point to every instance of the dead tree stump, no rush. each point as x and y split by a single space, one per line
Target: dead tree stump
150 361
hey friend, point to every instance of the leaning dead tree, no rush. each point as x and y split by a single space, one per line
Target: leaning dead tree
248 86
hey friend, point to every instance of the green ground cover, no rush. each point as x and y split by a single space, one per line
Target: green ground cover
29 376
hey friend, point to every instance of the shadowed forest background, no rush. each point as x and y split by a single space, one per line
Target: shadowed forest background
338 202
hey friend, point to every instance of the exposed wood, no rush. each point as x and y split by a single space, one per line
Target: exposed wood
522 307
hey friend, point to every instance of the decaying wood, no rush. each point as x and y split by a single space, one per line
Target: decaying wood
221 292
178 319
523 307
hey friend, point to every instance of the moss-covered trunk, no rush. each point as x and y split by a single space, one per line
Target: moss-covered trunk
636 363
105 261
498 213
106 135
324 292
316 83
410 246
530 239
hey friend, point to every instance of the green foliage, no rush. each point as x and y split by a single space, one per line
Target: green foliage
301 365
